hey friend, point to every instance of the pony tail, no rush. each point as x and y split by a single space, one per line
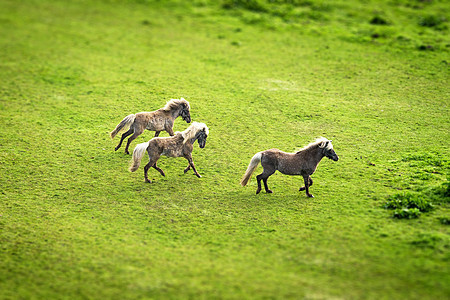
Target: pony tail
124 124
138 153
251 168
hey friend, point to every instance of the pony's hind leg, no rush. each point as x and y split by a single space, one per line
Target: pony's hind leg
268 170
310 184
151 163
134 136
159 170
130 131
266 187
147 166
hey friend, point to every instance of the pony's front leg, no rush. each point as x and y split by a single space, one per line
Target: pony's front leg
191 164
306 179
310 184
195 171
187 169
170 131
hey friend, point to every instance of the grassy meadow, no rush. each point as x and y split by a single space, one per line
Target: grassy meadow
373 76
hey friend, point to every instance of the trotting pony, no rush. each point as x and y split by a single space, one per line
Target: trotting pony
303 163
179 145
158 120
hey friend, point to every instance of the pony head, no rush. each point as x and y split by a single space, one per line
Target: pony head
327 147
185 110
197 131
182 106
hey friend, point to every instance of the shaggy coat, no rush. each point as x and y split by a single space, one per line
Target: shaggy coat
303 162
179 145
159 120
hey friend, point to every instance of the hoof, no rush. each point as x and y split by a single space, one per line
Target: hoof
257 191
301 189
147 181
269 192
310 196
199 176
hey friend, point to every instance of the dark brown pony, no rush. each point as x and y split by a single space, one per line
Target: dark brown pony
179 145
303 162
158 120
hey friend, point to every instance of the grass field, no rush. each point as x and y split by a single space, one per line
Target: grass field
373 76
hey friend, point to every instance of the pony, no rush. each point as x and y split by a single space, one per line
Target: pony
179 145
304 163
158 120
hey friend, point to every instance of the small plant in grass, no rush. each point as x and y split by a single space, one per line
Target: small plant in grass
408 205
406 213
443 191
444 221
431 21
439 194
379 20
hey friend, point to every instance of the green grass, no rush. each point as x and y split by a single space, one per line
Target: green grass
74 223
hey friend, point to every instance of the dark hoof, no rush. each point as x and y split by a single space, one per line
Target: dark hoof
126 152
257 191
302 189
117 148
269 192
147 181
198 175
310 196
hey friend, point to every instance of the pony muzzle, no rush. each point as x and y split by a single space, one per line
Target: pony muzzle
187 118
334 157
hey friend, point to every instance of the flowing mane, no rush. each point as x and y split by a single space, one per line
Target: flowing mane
193 129
175 103
321 142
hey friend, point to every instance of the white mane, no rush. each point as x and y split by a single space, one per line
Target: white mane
175 103
321 142
192 131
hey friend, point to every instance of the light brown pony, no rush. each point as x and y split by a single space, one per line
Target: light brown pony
303 162
158 120
179 145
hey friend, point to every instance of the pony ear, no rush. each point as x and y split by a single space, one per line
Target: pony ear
323 144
